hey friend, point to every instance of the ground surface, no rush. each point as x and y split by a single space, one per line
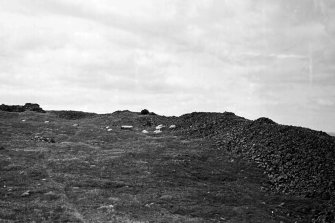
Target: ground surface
93 175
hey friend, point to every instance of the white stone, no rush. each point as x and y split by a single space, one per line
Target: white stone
23 120
26 193
145 131
172 127
108 207
157 131
126 127
158 127
109 130
46 121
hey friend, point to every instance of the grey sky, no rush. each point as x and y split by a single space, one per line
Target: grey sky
256 58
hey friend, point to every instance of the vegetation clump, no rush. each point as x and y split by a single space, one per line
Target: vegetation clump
73 115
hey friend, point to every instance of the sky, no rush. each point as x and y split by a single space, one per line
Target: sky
256 58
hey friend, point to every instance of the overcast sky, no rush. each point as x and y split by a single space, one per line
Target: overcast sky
273 58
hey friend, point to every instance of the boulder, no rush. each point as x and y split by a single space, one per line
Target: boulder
145 132
263 120
145 112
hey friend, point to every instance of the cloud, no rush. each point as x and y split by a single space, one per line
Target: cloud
253 57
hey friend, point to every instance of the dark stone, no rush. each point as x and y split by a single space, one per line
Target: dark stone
147 123
264 120
43 139
145 112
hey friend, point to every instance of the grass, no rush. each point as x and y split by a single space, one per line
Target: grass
91 175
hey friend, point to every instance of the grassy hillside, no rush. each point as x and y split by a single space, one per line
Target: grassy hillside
198 172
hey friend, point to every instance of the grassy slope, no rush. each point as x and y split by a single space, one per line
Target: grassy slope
91 175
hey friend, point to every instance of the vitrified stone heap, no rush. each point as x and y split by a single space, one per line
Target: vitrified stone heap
297 160
19 108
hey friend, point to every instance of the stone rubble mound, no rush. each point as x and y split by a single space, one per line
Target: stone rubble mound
20 108
297 160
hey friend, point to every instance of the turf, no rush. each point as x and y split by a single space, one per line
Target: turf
93 175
